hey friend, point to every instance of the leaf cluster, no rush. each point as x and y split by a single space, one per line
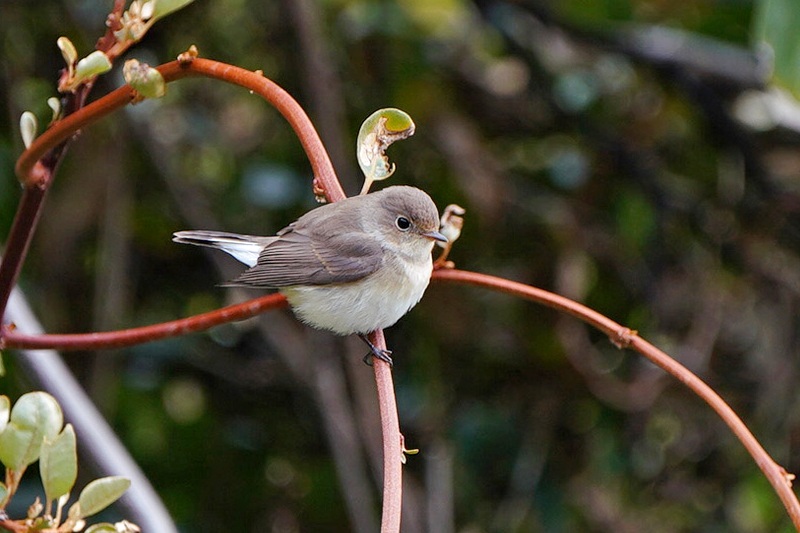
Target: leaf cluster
33 430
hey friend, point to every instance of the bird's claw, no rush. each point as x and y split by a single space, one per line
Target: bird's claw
383 355
374 351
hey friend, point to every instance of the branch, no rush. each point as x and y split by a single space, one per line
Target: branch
392 440
129 337
623 337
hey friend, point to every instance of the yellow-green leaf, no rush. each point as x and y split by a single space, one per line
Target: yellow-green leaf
146 80
58 464
101 493
36 416
104 527
165 7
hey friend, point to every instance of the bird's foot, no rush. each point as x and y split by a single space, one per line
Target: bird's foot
374 351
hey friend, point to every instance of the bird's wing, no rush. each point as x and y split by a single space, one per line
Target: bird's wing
301 256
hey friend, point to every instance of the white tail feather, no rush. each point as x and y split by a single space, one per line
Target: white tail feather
244 248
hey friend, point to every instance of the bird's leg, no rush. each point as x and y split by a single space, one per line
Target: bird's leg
383 355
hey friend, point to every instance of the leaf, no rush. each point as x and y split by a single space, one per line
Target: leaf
92 65
3 494
28 126
5 409
68 51
146 80
165 7
380 130
58 464
101 493
36 416
101 528
775 24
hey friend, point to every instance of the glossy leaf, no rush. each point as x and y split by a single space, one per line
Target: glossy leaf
58 464
36 416
101 493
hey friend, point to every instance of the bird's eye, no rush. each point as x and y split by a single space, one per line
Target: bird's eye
402 223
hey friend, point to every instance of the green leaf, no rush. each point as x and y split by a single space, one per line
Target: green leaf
92 65
102 528
36 416
165 7
381 129
775 24
5 410
58 464
146 80
3 494
101 493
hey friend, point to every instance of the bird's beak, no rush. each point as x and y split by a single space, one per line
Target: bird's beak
435 236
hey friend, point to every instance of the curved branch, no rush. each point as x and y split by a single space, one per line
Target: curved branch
623 337
28 172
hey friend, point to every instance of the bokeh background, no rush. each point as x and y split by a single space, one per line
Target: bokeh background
631 154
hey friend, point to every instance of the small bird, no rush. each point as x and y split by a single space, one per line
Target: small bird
352 266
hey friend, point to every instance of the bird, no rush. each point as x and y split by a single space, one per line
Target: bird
348 267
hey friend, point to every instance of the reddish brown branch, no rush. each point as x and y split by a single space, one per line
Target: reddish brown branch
624 337
129 337
392 440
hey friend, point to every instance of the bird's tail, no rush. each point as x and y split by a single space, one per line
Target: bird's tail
245 248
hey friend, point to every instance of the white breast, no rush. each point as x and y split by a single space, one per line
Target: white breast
375 302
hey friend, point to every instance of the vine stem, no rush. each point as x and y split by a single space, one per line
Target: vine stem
623 337
392 440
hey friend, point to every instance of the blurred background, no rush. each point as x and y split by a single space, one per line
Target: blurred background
634 155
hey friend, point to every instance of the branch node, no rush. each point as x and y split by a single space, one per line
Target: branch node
318 188
788 477
405 451
185 58
39 176
623 337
